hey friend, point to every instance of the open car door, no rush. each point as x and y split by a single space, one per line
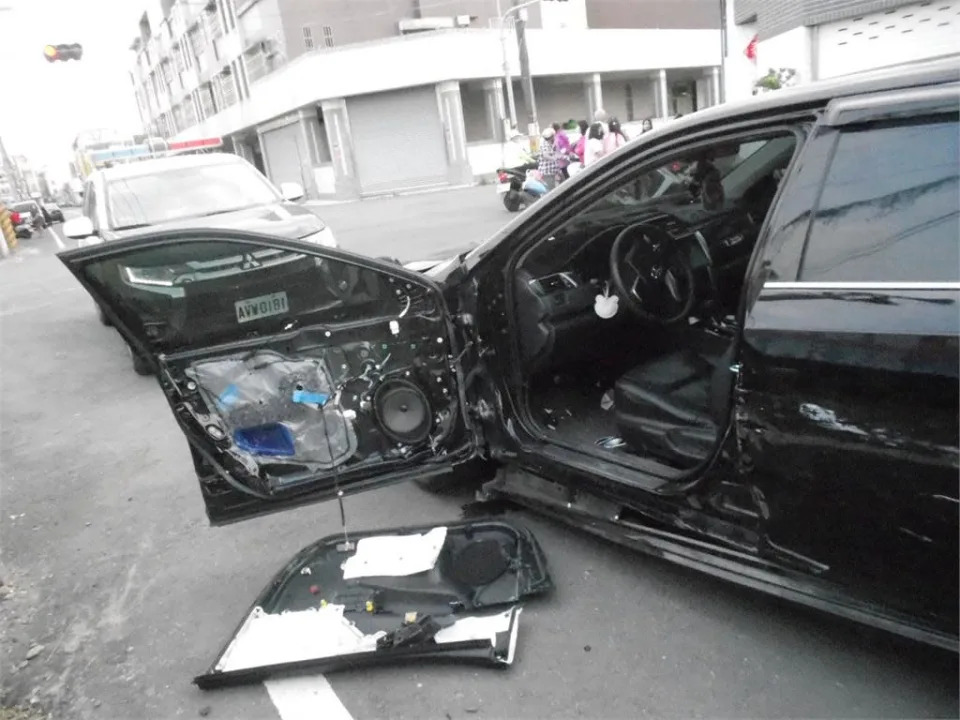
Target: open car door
295 372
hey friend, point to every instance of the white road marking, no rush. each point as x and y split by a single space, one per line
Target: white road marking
306 698
57 239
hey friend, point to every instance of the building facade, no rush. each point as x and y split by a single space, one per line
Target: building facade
827 38
377 96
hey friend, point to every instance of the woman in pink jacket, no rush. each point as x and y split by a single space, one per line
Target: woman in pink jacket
614 138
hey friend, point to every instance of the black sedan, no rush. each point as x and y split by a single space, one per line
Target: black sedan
751 370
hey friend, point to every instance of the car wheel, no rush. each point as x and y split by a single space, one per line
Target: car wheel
104 320
511 200
140 364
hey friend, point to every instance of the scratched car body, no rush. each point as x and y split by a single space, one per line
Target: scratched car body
753 373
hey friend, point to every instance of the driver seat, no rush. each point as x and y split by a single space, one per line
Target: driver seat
674 406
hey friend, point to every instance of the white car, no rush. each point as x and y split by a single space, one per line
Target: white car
212 190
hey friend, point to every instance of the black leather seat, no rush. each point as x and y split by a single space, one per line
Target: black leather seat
674 407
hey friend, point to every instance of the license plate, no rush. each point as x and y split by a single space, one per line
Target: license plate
261 306
503 188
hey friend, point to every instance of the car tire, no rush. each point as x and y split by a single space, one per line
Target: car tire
141 365
511 200
104 320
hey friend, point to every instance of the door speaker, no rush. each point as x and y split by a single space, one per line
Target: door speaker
403 411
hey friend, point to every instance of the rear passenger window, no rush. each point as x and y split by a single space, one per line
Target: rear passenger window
890 207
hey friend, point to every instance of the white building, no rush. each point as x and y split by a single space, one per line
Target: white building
414 109
827 38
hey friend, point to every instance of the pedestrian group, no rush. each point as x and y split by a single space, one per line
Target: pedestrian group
597 140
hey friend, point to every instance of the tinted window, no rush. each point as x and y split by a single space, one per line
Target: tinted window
189 192
889 209
201 292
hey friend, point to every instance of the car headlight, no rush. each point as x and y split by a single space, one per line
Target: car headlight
322 237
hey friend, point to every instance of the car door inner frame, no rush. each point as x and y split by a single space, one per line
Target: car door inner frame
403 469
650 474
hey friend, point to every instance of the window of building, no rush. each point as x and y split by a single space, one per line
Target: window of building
208 101
257 62
228 87
213 22
178 59
889 206
327 36
308 37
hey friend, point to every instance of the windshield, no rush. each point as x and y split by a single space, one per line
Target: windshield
24 207
185 193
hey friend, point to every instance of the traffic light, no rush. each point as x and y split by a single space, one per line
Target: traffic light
72 51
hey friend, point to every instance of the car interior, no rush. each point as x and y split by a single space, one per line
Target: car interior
627 314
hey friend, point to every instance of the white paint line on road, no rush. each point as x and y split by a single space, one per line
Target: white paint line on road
306 698
57 239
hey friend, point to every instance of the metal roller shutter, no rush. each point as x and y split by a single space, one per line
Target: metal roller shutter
285 158
398 140
899 35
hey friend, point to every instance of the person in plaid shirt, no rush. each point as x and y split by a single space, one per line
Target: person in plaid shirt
549 165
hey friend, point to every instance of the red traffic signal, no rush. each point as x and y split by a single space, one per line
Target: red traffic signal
71 51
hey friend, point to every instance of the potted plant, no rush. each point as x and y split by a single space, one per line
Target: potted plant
775 79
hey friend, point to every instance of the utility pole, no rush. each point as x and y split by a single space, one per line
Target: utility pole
723 51
528 96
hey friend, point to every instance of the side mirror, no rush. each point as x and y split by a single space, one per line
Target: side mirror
79 227
291 191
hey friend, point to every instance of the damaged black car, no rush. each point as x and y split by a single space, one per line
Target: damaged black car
749 368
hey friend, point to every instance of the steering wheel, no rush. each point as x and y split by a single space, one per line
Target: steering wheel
654 280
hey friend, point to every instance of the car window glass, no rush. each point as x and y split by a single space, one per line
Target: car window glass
195 291
189 192
889 207
694 188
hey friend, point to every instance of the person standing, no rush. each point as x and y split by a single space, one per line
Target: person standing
614 138
594 148
581 145
647 126
562 144
549 164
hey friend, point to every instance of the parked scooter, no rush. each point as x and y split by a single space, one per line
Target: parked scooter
510 187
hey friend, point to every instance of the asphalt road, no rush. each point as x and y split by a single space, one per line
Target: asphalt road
109 564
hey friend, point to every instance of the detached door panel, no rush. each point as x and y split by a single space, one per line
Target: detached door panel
849 406
294 372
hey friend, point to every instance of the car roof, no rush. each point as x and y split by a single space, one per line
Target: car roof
156 166
821 92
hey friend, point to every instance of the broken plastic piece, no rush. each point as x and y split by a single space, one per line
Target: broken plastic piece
611 443
410 617
606 402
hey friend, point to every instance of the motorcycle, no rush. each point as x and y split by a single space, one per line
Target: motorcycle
510 185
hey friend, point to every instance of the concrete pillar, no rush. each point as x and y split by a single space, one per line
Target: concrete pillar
263 153
459 171
495 107
309 126
340 141
661 94
714 76
593 94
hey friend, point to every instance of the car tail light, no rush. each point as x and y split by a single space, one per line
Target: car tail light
15 218
503 177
